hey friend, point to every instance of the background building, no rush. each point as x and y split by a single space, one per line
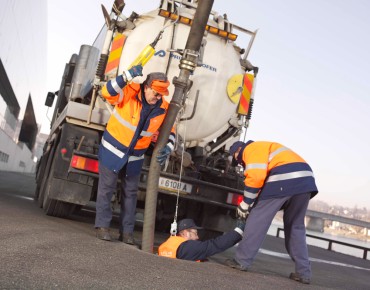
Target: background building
23 52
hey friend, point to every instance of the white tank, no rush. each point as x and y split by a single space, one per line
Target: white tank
221 61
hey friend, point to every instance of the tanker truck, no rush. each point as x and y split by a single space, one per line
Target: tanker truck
198 181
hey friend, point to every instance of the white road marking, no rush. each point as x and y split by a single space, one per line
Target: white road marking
286 256
21 196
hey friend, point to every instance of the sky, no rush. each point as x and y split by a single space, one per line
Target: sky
313 86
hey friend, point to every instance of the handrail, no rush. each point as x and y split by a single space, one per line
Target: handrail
331 242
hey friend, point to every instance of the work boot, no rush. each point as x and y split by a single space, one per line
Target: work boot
235 265
127 238
103 234
298 278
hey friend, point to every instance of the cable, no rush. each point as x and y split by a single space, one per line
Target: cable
173 230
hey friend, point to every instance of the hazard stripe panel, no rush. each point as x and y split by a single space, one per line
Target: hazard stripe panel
115 55
246 94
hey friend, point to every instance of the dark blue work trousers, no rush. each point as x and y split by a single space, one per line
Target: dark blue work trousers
107 185
259 221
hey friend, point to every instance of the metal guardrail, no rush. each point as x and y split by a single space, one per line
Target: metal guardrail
341 219
331 242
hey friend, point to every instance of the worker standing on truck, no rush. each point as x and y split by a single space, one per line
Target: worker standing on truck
186 244
275 178
139 112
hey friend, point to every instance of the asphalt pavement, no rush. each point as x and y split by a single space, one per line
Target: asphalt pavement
42 252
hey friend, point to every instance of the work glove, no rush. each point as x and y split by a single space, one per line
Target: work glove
243 210
135 71
163 154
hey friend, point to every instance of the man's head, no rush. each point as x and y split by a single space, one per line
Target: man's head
155 86
235 149
188 229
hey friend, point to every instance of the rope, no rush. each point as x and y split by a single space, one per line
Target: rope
174 224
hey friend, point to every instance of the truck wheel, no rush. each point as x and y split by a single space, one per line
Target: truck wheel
45 174
55 207
37 192
38 182
39 168
58 208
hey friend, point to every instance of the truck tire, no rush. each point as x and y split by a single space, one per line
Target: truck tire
38 181
40 190
51 206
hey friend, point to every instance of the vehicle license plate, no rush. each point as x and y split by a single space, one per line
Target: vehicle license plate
173 185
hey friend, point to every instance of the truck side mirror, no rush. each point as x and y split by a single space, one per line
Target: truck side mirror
49 99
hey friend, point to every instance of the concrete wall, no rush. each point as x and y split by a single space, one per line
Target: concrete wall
13 156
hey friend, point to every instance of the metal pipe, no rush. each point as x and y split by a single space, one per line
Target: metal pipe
220 142
194 108
187 66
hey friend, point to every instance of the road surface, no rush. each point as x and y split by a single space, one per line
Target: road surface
42 252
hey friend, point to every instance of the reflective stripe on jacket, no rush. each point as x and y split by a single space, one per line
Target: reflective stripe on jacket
169 248
273 170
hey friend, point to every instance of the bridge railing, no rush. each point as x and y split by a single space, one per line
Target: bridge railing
341 219
331 242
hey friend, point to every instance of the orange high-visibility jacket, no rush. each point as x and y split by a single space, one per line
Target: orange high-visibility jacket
273 170
131 125
169 248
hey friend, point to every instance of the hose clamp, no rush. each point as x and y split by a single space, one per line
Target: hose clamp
189 60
